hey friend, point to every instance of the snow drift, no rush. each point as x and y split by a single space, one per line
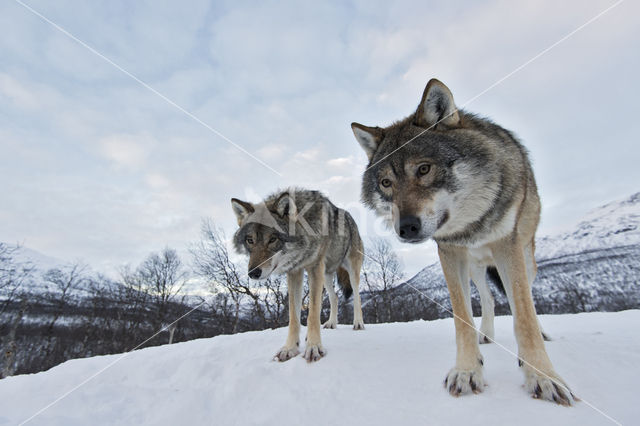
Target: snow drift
386 374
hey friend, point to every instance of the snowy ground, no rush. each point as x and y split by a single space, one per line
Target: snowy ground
387 374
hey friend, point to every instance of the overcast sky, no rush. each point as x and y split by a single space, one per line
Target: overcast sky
98 167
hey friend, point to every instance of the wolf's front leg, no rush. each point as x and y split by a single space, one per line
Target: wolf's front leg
291 346
466 376
314 350
541 380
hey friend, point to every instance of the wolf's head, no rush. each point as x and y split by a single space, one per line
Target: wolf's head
264 233
422 167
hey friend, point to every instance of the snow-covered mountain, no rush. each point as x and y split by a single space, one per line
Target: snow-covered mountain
386 374
616 224
40 261
592 266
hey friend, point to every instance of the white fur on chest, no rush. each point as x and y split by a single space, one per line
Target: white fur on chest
500 230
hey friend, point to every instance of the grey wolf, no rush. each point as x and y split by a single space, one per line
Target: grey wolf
467 183
296 230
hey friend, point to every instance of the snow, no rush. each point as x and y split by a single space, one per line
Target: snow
386 374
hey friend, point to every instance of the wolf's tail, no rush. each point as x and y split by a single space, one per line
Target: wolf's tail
494 277
344 282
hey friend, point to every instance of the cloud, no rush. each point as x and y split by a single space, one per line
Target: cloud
341 162
17 93
271 151
157 181
127 151
100 166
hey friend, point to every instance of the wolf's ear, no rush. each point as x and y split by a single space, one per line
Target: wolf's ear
242 209
368 137
437 107
285 206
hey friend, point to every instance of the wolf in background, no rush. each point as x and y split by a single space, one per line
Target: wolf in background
296 230
466 182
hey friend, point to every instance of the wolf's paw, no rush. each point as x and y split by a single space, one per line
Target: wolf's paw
330 324
358 325
485 337
482 339
459 382
286 353
314 352
548 386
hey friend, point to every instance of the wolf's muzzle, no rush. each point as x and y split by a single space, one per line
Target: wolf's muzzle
255 273
409 227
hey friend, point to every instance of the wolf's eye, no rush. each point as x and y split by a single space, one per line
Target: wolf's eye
272 240
385 182
249 240
423 169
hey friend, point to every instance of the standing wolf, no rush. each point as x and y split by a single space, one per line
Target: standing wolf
297 230
466 182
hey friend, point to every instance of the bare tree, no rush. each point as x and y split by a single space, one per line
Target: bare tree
266 300
275 301
13 303
63 282
10 349
159 280
13 274
381 272
212 262
133 301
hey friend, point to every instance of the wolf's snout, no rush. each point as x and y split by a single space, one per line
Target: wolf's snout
255 273
409 227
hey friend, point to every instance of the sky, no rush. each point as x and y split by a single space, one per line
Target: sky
124 124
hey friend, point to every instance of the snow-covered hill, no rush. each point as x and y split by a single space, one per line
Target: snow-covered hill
387 374
616 224
40 261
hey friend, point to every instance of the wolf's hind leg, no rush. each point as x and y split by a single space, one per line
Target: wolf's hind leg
290 348
354 266
332 322
479 278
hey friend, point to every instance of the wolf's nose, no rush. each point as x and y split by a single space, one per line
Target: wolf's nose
255 273
409 227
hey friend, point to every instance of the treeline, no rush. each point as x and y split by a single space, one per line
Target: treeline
71 312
